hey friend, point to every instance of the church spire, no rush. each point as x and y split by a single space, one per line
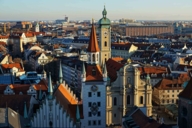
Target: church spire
104 12
25 111
50 87
93 44
60 74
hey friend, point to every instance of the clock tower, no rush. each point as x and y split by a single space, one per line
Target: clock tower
104 38
94 82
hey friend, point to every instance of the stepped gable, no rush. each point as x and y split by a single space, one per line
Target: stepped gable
65 96
187 92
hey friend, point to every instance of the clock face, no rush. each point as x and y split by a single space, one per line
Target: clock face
94 88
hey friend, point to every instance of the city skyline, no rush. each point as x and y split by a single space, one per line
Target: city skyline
87 9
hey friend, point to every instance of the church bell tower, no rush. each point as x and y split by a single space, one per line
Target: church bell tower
104 38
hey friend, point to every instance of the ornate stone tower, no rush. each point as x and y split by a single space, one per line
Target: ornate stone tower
94 87
104 38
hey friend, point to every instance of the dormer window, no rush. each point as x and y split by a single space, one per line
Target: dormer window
93 71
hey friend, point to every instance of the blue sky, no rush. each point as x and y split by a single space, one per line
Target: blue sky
88 9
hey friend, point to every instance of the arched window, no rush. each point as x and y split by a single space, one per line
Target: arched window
128 99
93 57
105 43
141 99
115 101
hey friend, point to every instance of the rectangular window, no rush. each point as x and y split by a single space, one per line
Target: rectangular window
94 122
167 90
89 123
98 104
98 94
89 104
172 90
98 113
177 90
172 95
167 101
89 94
89 113
172 100
99 122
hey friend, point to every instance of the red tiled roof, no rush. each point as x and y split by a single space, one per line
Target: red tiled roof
166 84
90 76
15 102
118 59
42 85
64 98
17 88
152 69
9 66
112 68
3 43
93 44
143 121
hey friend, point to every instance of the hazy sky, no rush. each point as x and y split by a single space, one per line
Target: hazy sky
88 9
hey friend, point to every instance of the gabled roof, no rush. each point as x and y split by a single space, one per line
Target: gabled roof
90 77
166 84
112 68
9 66
138 119
93 44
187 92
42 85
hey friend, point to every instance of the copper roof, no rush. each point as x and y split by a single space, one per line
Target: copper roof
93 44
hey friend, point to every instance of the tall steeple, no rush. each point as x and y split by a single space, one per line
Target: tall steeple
93 47
25 111
60 74
93 43
104 12
50 87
